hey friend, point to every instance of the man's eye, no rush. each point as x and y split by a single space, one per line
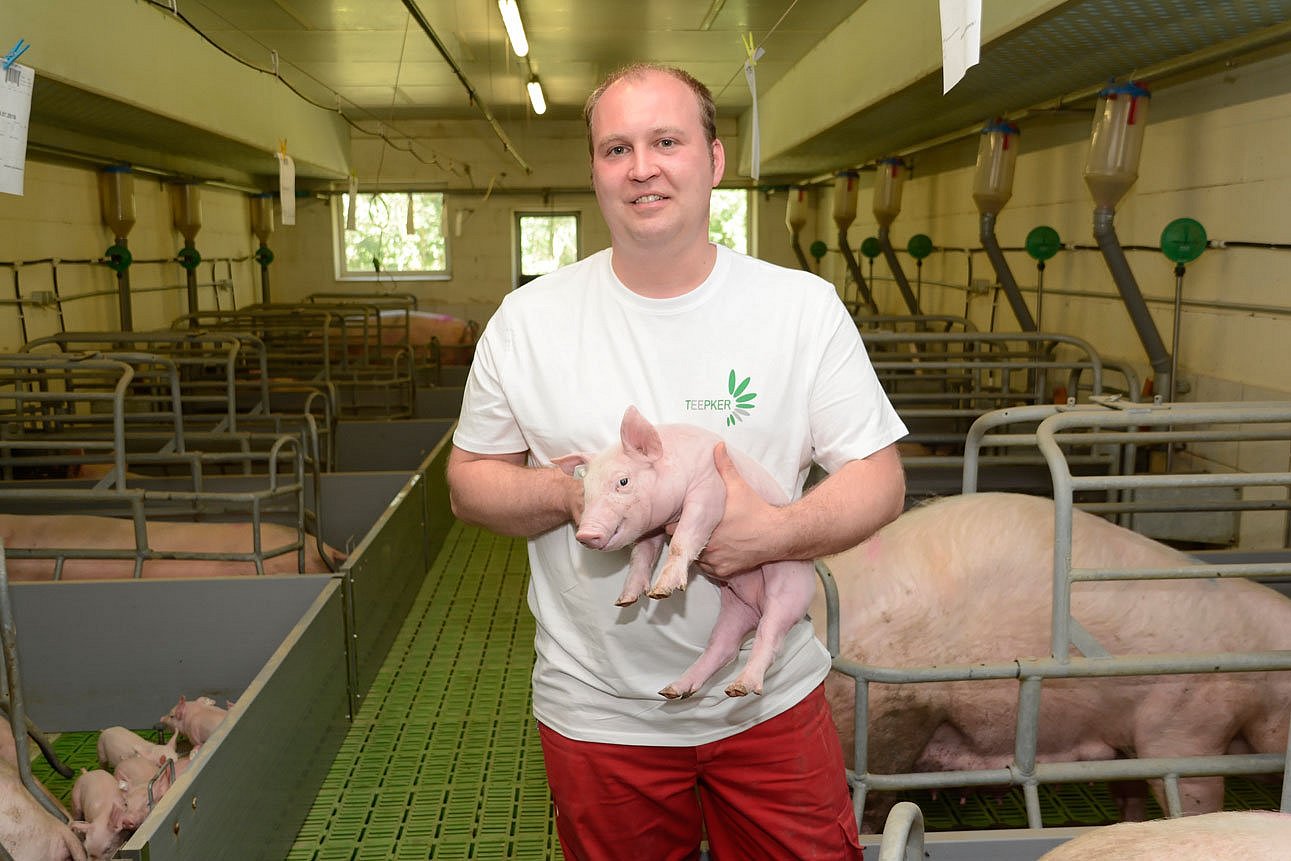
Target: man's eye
667 143
617 150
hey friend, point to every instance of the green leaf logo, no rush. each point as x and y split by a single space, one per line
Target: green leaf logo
742 399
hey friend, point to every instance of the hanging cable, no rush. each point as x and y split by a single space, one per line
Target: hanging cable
436 160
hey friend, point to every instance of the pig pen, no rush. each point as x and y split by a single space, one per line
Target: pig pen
941 381
295 652
1211 503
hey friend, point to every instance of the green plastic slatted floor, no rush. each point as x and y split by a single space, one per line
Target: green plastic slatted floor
443 759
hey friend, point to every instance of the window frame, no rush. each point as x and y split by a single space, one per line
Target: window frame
517 252
343 273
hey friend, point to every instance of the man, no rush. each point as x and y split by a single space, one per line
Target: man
680 328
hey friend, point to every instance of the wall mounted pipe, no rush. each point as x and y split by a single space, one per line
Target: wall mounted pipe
116 196
1005 274
862 288
903 283
997 155
889 180
846 186
1111 167
795 218
1128 287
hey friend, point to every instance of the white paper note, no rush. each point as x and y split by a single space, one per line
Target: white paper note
961 39
15 112
287 187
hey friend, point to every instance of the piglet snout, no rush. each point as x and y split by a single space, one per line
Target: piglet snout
592 537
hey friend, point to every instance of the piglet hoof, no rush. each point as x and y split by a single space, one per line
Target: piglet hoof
737 689
671 693
626 600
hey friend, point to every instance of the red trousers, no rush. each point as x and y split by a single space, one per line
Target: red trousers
776 791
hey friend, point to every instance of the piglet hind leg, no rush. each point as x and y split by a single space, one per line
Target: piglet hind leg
735 619
789 589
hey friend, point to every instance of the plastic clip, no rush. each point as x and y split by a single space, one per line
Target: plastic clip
17 51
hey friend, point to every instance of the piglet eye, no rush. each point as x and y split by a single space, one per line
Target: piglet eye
580 471
623 482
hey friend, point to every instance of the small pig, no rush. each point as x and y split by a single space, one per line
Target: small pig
27 830
662 475
1251 835
967 579
91 532
195 720
99 806
116 743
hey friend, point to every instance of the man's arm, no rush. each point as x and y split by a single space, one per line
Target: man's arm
500 493
840 512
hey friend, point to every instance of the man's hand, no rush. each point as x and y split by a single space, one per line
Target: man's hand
745 537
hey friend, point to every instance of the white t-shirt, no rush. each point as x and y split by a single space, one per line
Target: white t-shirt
555 369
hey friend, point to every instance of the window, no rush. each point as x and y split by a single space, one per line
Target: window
381 242
547 241
728 218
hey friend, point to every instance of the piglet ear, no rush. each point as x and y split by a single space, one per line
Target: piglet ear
571 462
639 436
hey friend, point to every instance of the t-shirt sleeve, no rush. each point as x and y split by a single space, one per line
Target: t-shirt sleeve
851 416
486 424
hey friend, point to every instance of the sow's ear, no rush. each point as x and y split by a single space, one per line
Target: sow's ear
639 436
570 462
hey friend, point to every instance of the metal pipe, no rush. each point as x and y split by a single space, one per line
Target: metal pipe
124 309
17 710
797 252
903 833
862 289
1005 274
1158 357
903 284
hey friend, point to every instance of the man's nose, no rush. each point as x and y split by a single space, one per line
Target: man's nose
643 165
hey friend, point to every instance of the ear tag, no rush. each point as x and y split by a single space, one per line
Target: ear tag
580 471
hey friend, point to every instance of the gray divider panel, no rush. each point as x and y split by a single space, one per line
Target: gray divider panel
257 776
104 653
391 563
439 402
387 445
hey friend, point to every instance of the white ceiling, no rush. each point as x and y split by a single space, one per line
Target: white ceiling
379 61
372 61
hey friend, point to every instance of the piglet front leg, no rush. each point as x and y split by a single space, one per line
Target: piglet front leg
645 553
699 517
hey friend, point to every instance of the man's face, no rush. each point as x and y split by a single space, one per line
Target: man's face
652 169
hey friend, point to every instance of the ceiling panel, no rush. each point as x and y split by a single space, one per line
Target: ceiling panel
382 67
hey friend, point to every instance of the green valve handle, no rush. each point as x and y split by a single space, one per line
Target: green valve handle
263 256
871 248
1043 243
118 258
1183 240
189 258
919 246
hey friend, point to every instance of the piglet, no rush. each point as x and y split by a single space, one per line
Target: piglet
196 720
663 475
1249 835
100 810
117 743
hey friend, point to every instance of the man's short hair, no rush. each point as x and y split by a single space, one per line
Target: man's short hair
704 98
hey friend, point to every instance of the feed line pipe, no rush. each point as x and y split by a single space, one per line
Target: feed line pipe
992 187
887 205
1110 169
